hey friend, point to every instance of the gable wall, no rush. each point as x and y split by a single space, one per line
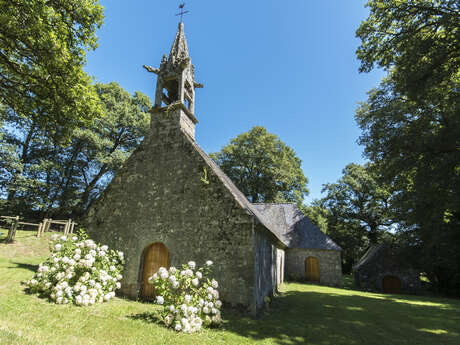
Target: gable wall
330 266
160 196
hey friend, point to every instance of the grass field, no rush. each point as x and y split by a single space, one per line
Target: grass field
302 314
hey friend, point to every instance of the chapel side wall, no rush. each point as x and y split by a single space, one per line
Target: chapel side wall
265 267
167 193
330 266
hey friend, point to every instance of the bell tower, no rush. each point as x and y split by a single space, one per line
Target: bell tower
176 83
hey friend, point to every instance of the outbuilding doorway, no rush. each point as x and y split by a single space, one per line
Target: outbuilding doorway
155 256
391 284
312 269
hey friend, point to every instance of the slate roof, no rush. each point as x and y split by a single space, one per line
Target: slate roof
295 229
370 254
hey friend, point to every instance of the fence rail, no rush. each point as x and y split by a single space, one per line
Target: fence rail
45 225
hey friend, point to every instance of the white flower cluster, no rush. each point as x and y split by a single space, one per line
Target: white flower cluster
78 271
190 299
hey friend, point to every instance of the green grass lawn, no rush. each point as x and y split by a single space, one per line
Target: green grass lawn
302 314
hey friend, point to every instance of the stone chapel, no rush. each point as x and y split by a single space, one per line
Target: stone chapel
171 203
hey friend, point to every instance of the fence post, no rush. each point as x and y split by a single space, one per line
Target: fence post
12 231
39 230
48 224
71 227
67 227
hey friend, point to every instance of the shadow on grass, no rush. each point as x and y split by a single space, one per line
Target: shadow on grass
148 317
310 317
25 266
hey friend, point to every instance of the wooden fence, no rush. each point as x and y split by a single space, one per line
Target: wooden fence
42 227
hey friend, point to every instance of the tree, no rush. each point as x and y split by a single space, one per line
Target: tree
42 53
50 177
357 209
411 127
263 167
417 42
416 148
358 196
106 145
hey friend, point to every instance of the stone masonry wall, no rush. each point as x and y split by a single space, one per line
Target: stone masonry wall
370 275
166 193
330 267
372 280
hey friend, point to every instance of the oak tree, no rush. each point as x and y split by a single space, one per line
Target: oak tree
263 167
42 52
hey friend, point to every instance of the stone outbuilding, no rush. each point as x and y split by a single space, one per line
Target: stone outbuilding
171 203
382 269
309 255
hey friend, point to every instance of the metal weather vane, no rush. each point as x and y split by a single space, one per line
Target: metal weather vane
181 11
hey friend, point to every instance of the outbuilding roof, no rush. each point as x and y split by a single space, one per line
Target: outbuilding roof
294 228
369 256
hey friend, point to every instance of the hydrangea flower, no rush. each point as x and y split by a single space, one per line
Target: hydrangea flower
67 278
188 296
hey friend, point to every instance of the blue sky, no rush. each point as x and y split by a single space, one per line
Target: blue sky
289 66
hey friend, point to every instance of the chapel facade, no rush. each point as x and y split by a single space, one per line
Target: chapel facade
171 203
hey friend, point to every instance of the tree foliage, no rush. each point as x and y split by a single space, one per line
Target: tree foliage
358 197
411 124
356 212
417 42
42 52
263 167
38 173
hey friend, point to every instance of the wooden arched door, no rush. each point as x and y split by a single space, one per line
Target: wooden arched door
155 256
312 269
391 284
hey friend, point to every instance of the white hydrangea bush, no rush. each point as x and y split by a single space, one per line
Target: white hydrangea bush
78 271
189 297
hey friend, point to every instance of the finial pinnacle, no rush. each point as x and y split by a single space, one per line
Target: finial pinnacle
181 11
